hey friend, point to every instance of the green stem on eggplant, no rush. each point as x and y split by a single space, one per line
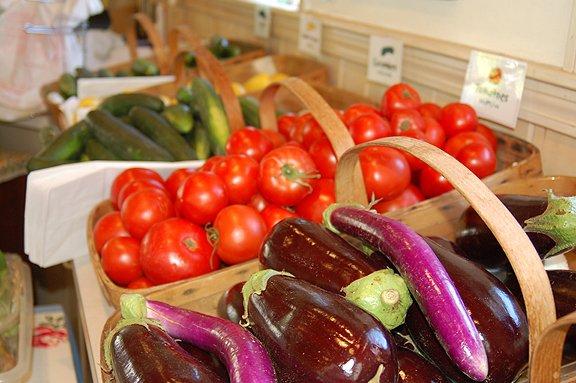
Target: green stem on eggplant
255 285
383 294
133 311
557 222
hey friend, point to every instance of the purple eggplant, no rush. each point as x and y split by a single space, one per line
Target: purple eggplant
412 368
205 358
310 252
429 283
314 335
496 312
230 305
133 361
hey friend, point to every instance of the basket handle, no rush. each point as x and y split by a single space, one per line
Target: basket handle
333 127
154 37
518 248
211 68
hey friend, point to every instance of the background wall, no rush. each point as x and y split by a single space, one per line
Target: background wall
435 65
535 30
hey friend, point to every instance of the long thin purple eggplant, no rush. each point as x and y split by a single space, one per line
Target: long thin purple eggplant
427 279
243 354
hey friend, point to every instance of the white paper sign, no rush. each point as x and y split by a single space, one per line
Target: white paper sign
310 36
494 87
262 21
385 60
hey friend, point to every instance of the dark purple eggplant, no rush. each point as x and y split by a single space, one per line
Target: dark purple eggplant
496 312
231 305
317 336
314 254
480 245
412 368
205 358
141 354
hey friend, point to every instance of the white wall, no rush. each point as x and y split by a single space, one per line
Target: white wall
535 30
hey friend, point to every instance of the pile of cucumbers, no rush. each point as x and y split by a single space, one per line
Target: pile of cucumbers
139 127
219 46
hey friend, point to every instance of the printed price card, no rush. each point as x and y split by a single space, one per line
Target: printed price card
494 87
262 21
385 60
310 36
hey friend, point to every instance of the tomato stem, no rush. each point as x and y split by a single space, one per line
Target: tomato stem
291 173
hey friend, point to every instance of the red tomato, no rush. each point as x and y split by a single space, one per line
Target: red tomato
277 138
409 197
369 127
108 226
140 283
240 174
284 175
128 175
250 142
434 133
240 231
176 179
313 205
430 109
307 130
415 163
479 158
286 124
210 163
403 121
176 249
356 110
456 118
489 134
324 157
145 208
258 202
459 141
386 172
137 185
273 214
399 97
433 183
121 260
201 197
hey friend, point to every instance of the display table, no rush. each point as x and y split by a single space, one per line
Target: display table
94 310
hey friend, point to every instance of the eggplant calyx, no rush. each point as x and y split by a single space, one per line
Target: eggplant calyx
133 310
383 294
557 222
255 285
376 378
327 222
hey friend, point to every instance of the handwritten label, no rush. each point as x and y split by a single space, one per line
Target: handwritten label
262 21
385 60
310 36
494 87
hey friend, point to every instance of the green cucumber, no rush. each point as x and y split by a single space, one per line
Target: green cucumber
180 117
37 163
69 145
198 139
120 104
125 141
250 107
96 151
67 85
145 67
158 129
212 114
184 95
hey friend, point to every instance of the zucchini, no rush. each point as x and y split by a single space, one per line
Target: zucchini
125 141
120 104
37 163
158 129
199 141
96 151
69 145
250 107
180 117
212 114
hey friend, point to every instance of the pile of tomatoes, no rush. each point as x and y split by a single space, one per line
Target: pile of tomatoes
196 219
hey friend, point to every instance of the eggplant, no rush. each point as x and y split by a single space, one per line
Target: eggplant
479 244
496 312
412 368
205 358
133 361
314 335
316 255
231 305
